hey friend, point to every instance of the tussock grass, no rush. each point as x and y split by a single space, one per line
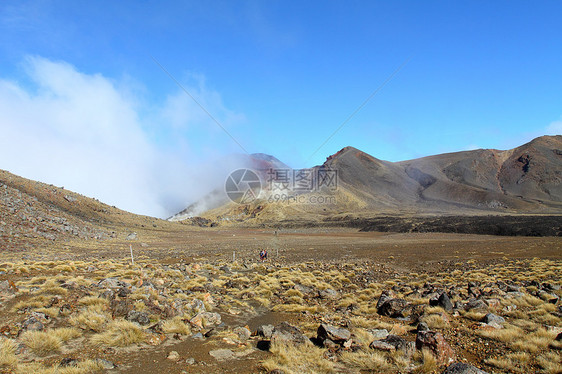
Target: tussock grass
90 319
473 315
92 300
39 301
366 361
428 362
508 334
82 367
550 362
119 333
66 333
42 343
8 359
176 326
52 312
293 359
534 342
435 321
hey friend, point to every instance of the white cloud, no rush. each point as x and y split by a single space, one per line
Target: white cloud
555 128
471 147
84 132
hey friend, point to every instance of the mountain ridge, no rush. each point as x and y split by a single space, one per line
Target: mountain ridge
525 179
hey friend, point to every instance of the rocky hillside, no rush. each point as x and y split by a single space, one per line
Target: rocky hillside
32 211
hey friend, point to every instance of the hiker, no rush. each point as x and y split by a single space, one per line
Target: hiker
262 255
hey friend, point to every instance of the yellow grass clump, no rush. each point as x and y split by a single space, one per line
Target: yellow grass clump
294 359
176 326
119 333
8 359
42 343
366 361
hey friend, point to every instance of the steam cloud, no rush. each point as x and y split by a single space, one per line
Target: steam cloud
89 134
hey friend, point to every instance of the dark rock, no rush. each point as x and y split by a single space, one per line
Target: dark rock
32 324
139 317
335 334
393 308
288 333
68 361
462 368
382 346
435 341
444 302
476 304
393 343
265 330
422 326
559 337
123 292
107 294
120 308
385 296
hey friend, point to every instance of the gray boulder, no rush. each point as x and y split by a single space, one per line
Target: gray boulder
335 334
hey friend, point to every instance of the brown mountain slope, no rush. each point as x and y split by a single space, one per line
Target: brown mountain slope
527 179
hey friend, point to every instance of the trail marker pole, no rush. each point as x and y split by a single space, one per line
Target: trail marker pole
132 259
233 256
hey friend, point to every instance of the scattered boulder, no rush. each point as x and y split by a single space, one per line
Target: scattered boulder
243 333
437 344
68 361
132 236
476 304
205 319
139 317
493 319
422 326
393 308
197 306
105 364
33 323
381 345
120 308
335 334
443 301
8 288
328 294
462 368
265 331
385 296
288 333
378 333
173 356
112 283
222 354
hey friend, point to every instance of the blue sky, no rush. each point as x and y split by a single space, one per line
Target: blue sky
279 76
